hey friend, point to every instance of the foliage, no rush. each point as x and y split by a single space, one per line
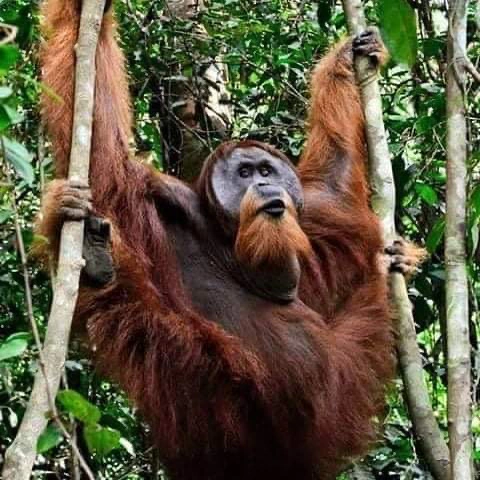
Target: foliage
268 48
399 30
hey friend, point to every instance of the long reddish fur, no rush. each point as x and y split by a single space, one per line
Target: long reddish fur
268 242
148 337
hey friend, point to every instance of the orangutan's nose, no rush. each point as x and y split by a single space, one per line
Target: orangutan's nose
267 191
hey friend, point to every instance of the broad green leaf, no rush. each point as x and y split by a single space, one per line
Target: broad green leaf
15 117
22 18
475 201
324 13
426 123
75 404
427 193
5 214
5 120
8 56
127 445
12 418
439 274
432 47
435 235
12 347
8 116
101 440
474 237
20 159
50 438
399 30
20 336
5 92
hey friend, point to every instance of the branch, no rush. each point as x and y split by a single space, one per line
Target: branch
456 287
8 33
470 68
427 431
20 456
33 324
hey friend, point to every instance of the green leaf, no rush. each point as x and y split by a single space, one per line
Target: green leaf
20 159
475 202
5 120
101 440
8 116
75 404
426 123
8 56
324 13
50 438
20 335
399 30
438 274
12 347
435 235
5 92
12 418
127 446
432 47
427 193
5 214
22 18
474 238
15 117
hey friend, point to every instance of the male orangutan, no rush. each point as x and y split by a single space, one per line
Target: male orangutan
246 315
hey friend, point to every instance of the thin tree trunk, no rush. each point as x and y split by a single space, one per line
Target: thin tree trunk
196 110
427 431
20 456
458 339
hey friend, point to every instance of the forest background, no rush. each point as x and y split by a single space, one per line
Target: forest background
200 73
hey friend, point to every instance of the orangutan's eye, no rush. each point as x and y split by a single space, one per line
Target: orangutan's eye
244 171
265 170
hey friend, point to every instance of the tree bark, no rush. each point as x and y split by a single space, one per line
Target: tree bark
20 456
458 338
196 110
428 435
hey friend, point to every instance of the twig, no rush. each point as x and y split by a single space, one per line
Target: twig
10 33
428 434
75 463
262 70
33 324
470 67
20 456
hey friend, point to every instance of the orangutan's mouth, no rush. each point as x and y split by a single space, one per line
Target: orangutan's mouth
274 208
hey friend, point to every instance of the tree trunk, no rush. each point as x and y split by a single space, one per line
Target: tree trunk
427 431
195 109
458 339
20 456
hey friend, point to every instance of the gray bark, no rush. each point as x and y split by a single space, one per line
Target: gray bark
428 435
198 110
20 456
458 339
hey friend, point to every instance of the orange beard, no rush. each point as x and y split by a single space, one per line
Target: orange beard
262 239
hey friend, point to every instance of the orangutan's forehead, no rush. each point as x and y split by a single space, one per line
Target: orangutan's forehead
250 153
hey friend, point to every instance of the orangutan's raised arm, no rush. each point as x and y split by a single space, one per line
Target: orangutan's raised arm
335 154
